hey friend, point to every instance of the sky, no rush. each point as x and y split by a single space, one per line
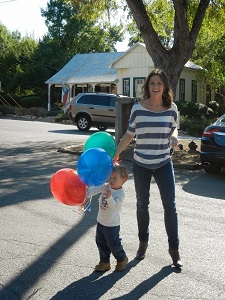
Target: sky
25 16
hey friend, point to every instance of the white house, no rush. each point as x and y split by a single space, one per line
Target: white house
121 73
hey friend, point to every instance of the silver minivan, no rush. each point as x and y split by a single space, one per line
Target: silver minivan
93 109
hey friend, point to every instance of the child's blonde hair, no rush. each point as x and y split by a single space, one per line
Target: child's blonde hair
122 170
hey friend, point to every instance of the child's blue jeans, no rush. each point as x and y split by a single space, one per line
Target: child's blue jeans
108 241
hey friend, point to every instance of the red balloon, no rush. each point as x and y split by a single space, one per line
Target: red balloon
67 187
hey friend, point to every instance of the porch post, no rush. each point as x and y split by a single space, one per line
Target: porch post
49 97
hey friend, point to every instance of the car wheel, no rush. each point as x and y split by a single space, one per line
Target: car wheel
83 123
212 169
102 127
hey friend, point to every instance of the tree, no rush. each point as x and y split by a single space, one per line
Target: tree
210 51
171 60
16 53
75 34
172 50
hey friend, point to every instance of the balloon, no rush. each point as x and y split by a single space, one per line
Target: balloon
94 166
102 140
67 187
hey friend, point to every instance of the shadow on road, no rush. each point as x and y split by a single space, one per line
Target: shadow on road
202 184
96 285
26 177
207 185
17 287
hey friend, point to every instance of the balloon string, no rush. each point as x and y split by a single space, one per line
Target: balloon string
86 206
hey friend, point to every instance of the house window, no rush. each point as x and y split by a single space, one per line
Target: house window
208 94
194 91
182 90
126 87
138 83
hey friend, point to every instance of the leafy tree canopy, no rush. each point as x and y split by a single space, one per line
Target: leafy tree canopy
170 29
75 32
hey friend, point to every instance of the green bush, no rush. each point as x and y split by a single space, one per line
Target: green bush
33 111
54 112
194 127
21 111
32 101
215 108
222 109
37 111
192 110
57 106
60 117
7 110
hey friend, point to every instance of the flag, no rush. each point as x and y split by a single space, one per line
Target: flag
65 92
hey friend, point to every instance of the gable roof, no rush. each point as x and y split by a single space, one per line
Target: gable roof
96 68
127 51
87 68
188 65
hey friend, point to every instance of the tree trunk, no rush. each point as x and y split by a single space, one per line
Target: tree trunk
172 61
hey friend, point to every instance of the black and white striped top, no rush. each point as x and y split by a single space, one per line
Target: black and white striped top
152 132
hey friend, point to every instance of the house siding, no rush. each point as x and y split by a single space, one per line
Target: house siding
137 63
189 75
95 69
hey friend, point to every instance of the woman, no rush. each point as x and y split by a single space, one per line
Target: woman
153 122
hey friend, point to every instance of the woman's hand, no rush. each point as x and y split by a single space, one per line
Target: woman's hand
116 160
173 142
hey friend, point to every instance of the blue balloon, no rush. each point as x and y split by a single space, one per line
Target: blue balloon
94 166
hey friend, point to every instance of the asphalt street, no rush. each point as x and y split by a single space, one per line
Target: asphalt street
48 251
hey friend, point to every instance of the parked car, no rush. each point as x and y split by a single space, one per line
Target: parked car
93 109
212 153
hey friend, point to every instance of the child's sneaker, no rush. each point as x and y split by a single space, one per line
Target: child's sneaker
102 267
121 265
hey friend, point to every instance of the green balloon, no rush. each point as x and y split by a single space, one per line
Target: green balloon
102 140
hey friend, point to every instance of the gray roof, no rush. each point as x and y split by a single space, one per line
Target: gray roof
87 68
192 65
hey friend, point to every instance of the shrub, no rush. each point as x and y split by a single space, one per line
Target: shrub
215 107
54 112
61 117
37 111
21 111
57 106
32 101
192 110
201 111
194 127
6 110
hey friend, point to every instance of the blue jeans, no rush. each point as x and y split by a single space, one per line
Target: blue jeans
164 178
108 241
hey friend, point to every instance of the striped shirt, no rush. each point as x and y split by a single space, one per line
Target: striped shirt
152 130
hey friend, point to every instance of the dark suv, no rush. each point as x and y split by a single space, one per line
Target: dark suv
93 109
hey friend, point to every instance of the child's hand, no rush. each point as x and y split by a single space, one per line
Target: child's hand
107 193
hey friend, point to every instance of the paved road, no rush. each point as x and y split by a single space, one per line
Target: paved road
48 249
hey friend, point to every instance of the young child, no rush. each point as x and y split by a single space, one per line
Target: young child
108 227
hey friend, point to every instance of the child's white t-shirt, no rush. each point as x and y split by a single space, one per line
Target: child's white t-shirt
109 209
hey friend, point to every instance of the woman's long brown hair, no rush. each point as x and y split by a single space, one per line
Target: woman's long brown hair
167 96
